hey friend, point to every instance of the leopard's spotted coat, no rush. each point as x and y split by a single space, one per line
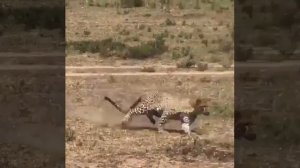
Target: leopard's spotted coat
155 104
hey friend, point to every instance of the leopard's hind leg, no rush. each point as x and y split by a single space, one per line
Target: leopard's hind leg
139 110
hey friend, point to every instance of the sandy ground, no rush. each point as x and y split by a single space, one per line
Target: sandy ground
96 139
93 135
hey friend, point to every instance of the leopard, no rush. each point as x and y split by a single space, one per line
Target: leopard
154 105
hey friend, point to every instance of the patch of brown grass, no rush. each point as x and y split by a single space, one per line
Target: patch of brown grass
148 69
96 145
202 66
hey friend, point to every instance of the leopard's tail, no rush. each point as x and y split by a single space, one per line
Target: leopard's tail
119 108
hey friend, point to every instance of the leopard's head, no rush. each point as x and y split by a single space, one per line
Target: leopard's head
200 106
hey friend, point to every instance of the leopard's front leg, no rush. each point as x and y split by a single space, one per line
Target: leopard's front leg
163 120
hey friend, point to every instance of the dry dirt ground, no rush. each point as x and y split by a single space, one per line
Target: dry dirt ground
263 94
187 33
96 145
94 138
31 134
98 140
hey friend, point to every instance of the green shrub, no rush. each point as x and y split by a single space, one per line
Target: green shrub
180 5
131 3
202 66
146 50
147 15
170 22
104 47
176 55
70 134
90 2
186 62
124 32
148 69
86 33
108 47
225 46
152 5
141 26
186 51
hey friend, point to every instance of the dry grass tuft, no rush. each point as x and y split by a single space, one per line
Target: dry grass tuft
202 66
185 63
148 69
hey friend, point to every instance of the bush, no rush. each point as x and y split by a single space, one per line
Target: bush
124 32
170 22
225 46
185 63
70 134
180 5
108 47
148 69
131 3
202 66
141 27
147 15
176 55
86 33
201 35
186 51
90 2
146 50
104 47
152 5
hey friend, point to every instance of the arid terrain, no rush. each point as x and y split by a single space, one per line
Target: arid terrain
101 33
184 50
95 138
123 53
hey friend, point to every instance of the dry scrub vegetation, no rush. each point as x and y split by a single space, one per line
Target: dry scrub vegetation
188 34
102 30
261 25
32 26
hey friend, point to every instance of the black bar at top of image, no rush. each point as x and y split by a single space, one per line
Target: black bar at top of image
267 67
32 74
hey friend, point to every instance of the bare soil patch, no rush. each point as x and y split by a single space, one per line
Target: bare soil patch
96 138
